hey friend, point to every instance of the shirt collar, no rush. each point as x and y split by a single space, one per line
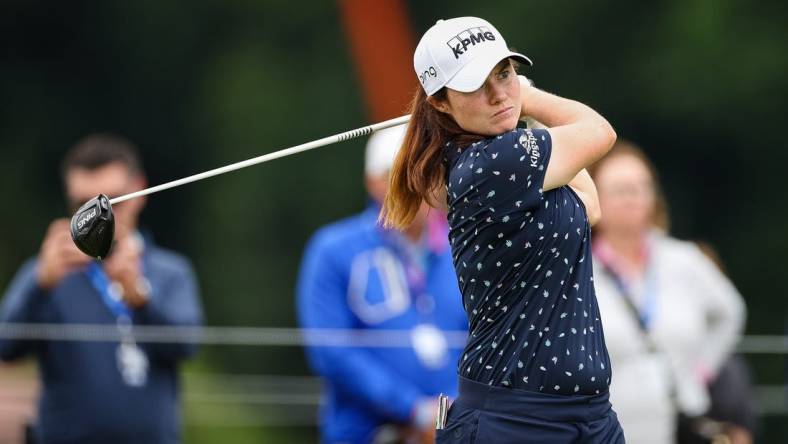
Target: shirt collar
604 253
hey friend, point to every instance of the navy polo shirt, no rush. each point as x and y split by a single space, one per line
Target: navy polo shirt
523 261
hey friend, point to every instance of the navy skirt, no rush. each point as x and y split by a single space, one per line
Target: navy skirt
486 414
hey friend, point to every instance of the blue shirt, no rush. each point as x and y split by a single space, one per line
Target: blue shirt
523 261
354 275
84 397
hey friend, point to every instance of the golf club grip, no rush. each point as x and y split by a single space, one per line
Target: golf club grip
341 137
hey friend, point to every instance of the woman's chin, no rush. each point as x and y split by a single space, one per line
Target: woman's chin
496 128
504 127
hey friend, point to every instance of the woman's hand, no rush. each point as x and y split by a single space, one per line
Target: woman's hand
525 82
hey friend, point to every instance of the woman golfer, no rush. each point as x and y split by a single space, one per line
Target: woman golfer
519 202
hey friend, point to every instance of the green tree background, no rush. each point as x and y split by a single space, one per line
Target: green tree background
702 85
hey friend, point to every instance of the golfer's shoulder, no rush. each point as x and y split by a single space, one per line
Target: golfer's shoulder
522 137
517 146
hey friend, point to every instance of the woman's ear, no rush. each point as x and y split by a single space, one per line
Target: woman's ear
440 105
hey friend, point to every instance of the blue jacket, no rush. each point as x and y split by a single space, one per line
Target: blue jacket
355 275
84 398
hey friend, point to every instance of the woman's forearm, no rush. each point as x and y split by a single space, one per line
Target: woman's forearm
553 110
580 135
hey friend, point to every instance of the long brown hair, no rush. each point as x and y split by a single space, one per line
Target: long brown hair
660 217
418 172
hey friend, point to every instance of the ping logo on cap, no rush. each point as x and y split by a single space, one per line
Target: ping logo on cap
471 36
429 72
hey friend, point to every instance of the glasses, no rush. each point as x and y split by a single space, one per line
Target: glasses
640 190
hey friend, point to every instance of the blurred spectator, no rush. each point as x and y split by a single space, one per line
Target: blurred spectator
104 392
731 392
357 275
671 318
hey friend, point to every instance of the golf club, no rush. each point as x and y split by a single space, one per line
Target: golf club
93 224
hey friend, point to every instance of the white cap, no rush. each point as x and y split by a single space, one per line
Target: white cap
459 53
382 148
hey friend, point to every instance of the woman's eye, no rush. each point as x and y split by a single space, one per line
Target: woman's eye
503 74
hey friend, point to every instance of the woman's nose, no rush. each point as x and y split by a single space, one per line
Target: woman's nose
496 93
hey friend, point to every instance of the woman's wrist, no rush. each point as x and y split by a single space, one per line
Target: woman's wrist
530 99
525 82
526 88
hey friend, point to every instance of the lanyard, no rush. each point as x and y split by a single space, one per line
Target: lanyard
415 267
109 295
647 311
415 261
649 307
645 316
132 361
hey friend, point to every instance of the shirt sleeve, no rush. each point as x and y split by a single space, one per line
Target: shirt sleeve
24 302
322 304
174 301
517 163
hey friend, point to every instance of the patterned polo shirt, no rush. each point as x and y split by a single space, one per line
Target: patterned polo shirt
523 262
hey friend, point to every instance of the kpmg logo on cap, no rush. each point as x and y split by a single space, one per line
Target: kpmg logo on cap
471 36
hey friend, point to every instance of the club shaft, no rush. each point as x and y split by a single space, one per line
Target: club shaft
347 135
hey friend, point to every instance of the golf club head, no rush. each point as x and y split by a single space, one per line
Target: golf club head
93 227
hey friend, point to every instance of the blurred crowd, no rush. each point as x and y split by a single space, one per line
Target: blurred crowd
671 317
215 82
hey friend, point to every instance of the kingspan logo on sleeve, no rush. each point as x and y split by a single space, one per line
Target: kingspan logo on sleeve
528 141
470 37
